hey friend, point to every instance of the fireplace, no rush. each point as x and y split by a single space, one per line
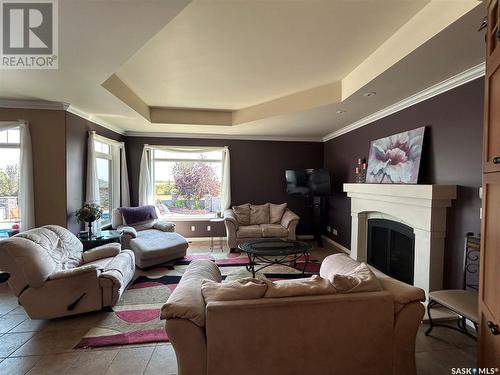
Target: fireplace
419 207
391 248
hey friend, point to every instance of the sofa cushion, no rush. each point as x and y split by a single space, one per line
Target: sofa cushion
315 285
242 213
337 264
249 231
273 230
259 214
243 289
360 279
134 215
62 246
153 243
276 212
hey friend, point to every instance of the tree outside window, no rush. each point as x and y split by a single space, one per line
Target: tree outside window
188 184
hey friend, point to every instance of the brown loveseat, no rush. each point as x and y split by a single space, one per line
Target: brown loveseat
357 333
250 222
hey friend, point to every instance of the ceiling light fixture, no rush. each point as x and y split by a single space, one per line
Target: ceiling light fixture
341 112
368 94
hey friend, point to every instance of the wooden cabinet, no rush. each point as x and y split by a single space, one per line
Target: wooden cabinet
489 292
492 94
489 280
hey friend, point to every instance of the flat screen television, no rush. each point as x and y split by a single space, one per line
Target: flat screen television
308 182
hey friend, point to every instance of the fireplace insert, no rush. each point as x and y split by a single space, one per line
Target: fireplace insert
391 248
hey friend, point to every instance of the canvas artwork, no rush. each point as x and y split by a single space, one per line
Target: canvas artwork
396 159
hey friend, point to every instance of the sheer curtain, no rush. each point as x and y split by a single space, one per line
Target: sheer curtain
26 199
226 180
125 189
226 168
146 189
92 191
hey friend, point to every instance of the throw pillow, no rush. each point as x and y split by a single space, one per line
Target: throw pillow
259 214
247 288
360 279
316 285
276 212
242 213
134 215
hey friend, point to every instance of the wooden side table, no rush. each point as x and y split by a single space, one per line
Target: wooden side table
105 237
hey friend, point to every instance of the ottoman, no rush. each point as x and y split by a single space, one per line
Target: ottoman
152 247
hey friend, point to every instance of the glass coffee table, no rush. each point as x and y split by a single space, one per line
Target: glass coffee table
265 253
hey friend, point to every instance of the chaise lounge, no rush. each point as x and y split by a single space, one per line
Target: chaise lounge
153 241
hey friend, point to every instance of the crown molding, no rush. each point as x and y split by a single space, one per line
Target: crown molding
439 88
97 121
222 136
33 104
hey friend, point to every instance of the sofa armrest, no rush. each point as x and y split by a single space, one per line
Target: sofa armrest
230 218
186 301
120 269
165 226
105 251
128 231
288 218
72 272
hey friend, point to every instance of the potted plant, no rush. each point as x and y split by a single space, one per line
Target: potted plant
89 213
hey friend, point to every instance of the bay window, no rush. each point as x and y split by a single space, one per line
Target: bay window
188 182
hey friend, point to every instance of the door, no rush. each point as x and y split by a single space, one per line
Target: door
492 94
489 291
489 279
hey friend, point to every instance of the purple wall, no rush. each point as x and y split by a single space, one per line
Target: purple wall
452 155
257 171
77 129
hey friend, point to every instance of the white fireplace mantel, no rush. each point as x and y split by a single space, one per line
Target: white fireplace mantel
422 207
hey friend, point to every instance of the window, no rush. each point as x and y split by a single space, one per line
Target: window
104 164
188 183
9 179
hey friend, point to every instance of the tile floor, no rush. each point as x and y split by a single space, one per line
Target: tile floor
46 347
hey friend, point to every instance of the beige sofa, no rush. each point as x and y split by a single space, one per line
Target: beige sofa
250 222
357 333
52 276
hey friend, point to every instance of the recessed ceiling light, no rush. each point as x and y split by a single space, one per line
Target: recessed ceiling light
341 112
368 94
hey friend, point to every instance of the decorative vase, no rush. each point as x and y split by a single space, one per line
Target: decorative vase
90 228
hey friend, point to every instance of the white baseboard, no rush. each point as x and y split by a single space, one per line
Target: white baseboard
336 244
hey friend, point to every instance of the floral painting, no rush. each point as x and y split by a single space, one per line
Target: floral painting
396 159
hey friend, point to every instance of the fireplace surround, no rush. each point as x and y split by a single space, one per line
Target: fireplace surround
420 207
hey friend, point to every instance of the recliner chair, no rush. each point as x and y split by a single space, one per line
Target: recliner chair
52 276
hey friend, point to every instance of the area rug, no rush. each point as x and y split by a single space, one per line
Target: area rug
135 319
